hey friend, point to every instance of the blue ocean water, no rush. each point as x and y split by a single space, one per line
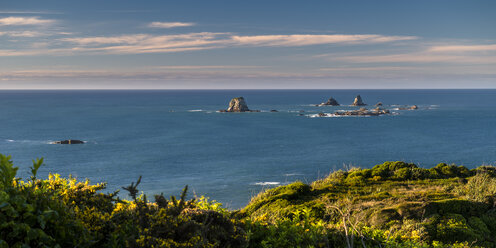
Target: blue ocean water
176 138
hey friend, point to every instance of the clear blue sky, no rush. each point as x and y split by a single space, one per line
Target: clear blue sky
247 44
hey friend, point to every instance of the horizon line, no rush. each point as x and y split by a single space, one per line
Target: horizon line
244 89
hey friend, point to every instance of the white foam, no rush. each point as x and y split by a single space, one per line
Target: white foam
293 174
9 140
196 110
266 183
329 115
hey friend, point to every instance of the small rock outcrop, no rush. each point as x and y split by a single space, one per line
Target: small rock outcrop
68 142
358 101
378 104
330 102
238 104
413 107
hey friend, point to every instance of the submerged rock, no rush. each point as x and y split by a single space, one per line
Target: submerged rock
68 142
274 111
238 104
378 104
358 101
330 102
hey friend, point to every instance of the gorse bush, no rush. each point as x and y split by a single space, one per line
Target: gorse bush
31 215
66 213
394 204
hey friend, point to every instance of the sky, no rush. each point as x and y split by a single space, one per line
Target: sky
128 44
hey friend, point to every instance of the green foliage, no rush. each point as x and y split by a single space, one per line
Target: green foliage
299 230
66 213
7 171
33 216
394 204
481 187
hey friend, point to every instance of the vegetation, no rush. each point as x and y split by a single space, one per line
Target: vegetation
394 204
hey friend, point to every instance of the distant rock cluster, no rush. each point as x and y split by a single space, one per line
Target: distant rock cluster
238 104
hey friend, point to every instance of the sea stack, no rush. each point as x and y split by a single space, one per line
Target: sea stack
330 102
238 104
358 101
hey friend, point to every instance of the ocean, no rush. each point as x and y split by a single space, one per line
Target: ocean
174 138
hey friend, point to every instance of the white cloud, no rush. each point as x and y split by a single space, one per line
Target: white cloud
170 24
309 39
20 21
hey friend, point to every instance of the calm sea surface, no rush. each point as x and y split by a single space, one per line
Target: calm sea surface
176 138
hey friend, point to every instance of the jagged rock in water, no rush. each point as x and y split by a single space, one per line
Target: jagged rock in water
322 114
238 104
378 104
68 142
330 102
413 107
358 101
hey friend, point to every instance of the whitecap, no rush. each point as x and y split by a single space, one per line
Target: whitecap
293 174
9 140
266 183
195 110
329 115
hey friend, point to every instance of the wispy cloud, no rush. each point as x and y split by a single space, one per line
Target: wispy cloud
28 12
123 39
310 39
29 34
21 21
463 48
206 67
148 43
143 43
170 24
419 58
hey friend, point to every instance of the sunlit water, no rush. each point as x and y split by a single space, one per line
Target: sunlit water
176 138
